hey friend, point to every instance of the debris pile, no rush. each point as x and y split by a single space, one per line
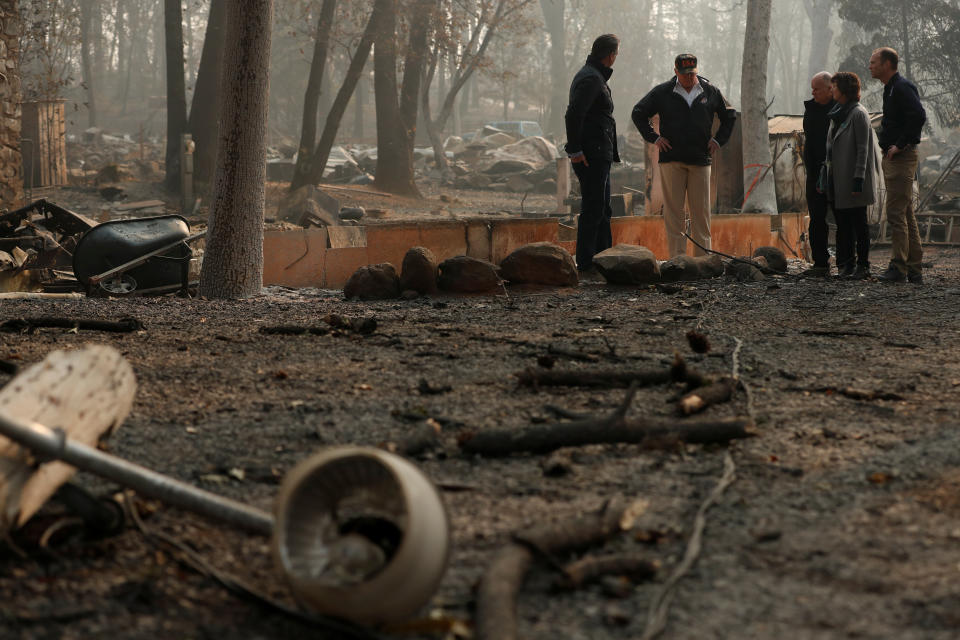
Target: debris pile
36 247
47 248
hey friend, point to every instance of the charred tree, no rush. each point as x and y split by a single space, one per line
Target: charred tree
205 108
233 261
478 41
395 128
359 102
354 73
819 11
123 60
553 11
760 196
311 99
176 90
86 57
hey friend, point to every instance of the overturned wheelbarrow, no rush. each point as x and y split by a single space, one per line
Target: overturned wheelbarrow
358 533
142 256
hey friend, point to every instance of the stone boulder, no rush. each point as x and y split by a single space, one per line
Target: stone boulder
776 258
628 264
464 274
419 271
742 272
373 282
540 263
687 268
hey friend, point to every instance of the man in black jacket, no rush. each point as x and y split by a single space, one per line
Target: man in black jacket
686 105
903 118
592 147
815 126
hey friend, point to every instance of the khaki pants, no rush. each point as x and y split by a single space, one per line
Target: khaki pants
906 252
688 182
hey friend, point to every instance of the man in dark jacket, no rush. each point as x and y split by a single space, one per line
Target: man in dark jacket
903 118
592 147
686 105
815 125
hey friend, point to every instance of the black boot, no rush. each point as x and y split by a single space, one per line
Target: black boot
892 274
847 271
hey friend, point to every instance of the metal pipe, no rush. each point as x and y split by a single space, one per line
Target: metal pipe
54 444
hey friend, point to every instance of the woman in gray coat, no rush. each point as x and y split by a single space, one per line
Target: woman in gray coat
851 175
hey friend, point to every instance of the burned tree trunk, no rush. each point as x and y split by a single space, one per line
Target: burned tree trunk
233 262
311 99
86 59
176 90
819 11
478 40
205 108
553 18
394 131
354 72
760 196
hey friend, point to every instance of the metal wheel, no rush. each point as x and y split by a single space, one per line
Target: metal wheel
119 285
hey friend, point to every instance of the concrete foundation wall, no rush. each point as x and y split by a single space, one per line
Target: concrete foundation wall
303 258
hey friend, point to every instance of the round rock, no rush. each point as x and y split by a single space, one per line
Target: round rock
464 274
628 264
373 282
419 271
776 258
540 263
689 268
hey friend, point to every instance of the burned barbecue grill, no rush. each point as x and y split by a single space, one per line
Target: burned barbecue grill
144 255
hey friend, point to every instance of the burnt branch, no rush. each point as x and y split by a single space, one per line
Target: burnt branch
500 585
592 568
612 378
613 429
702 398
29 325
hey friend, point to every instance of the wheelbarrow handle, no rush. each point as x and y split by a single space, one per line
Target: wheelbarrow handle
142 259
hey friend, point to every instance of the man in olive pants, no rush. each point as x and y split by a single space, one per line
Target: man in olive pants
903 118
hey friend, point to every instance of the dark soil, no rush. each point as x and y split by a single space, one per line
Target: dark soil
843 521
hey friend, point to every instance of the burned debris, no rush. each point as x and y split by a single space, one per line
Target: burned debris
46 247
37 243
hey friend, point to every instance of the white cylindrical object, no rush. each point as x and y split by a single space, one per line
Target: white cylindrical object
361 534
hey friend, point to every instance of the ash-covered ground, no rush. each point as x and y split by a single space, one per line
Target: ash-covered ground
843 520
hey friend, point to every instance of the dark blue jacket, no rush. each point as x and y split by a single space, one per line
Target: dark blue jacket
589 119
815 125
903 115
687 128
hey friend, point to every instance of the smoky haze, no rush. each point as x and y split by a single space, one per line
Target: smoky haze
523 74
